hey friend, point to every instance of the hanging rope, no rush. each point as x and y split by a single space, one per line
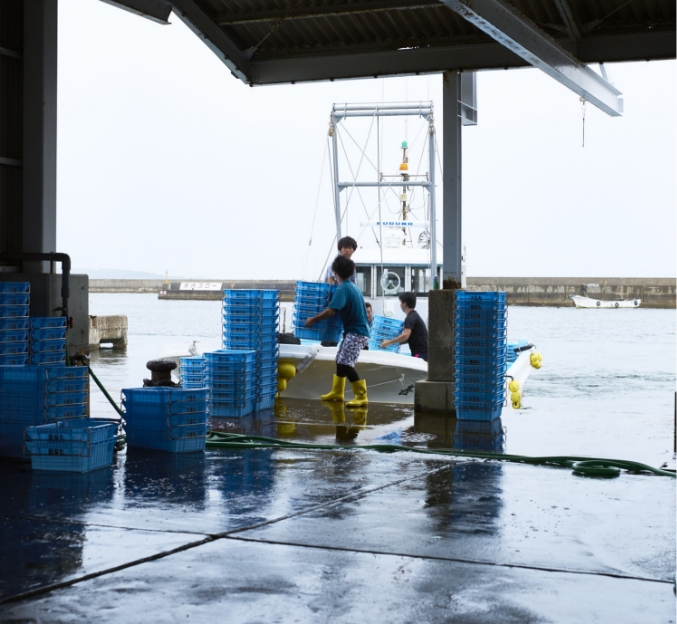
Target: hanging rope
583 115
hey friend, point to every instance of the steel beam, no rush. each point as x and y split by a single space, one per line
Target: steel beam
333 10
215 39
510 28
451 177
154 10
39 130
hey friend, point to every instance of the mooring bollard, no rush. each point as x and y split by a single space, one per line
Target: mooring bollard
161 374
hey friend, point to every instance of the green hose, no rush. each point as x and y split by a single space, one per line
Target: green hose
105 392
581 465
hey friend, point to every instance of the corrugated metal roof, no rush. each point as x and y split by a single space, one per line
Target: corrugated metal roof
278 30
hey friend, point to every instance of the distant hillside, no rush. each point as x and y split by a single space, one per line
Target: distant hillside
117 274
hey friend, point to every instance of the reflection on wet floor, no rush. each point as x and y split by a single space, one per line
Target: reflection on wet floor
332 422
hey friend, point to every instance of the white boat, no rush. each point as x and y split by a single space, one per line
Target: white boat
391 377
588 302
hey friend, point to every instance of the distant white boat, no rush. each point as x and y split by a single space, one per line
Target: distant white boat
587 302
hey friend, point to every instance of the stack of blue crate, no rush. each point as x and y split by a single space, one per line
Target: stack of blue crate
479 364
36 395
310 299
382 329
48 340
231 375
192 372
166 419
250 322
77 445
14 302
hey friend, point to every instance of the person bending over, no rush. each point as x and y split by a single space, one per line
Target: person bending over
349 303
414 332
346 247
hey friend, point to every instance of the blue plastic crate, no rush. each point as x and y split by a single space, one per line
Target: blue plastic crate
488 395
234 357
11 311
482 315
305 333
164 422
13 335
15 322
48 346
232 399
67 372
480 384
222 410
478 411
15 287
71 456
236 312
14 348
13 360
67 385
312 286
461 361
375 345
476 306
175 407
77 429
50 357
162 442
65 398
14 299
192 384
486 326
59 412
40 322
188 376
231 382
480 297
265 295
463 339
163 396
48 333
492 351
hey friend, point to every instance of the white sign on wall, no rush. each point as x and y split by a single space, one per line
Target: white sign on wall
200 286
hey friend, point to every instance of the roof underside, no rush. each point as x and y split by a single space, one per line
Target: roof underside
281 41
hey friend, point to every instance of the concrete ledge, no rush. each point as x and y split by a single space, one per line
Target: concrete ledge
435 397
111 329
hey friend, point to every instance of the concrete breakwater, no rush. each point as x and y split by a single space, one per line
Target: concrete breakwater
527 291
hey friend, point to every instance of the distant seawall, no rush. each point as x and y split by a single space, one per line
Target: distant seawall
525 291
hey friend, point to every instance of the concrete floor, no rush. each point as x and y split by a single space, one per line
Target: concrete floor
340 536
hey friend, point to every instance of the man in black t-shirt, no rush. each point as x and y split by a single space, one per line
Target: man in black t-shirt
414 332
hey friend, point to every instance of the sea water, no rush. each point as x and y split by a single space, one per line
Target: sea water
607 375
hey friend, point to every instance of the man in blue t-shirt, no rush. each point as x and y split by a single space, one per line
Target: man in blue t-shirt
348 302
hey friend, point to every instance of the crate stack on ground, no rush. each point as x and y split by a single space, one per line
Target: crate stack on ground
382 329
14 303
250 322
166 419
48 340
310 299
231 376
77 445
192 372
479 365
36 395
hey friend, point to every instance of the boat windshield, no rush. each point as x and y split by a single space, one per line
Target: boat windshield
363 279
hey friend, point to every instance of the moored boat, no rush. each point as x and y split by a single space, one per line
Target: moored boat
589 302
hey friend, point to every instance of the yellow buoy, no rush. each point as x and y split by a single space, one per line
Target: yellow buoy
516 405
286 370
515 397
514 386
281 384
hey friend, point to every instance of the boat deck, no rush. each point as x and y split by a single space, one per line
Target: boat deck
343 536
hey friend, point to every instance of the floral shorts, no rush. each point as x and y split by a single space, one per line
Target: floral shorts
349 349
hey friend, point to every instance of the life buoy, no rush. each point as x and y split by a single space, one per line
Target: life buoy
616 304
388 284
598 304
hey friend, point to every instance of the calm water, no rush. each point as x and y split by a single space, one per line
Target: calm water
608 376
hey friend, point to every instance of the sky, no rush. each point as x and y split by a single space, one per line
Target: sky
166 162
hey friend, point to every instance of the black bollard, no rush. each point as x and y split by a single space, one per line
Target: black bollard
161 374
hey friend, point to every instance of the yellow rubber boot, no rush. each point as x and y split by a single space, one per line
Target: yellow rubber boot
360 392
337 390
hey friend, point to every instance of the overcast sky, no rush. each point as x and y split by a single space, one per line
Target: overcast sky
167 162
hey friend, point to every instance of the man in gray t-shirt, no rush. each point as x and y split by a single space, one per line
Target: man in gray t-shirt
346 247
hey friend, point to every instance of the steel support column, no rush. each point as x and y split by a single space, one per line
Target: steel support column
451 185
39 129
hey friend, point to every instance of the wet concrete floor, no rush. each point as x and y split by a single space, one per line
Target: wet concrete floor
346 535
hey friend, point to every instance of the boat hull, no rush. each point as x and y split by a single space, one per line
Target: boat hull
390 377
588 302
